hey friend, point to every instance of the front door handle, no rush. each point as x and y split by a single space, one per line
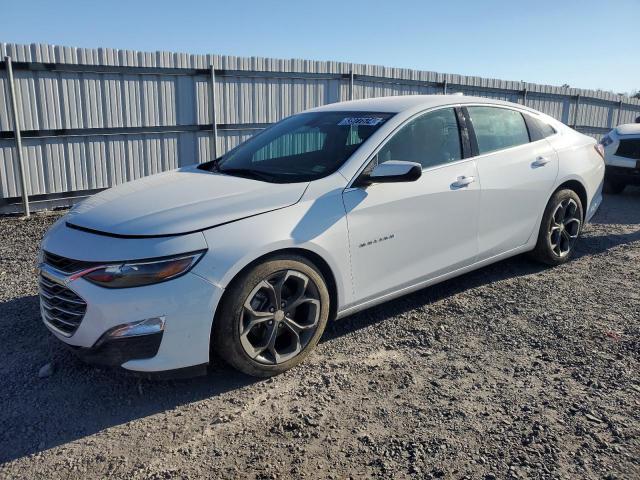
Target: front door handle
540 162
463 182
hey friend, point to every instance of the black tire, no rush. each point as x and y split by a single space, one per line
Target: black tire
558 233
613 187
234 337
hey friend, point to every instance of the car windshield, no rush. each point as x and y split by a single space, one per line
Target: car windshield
302 147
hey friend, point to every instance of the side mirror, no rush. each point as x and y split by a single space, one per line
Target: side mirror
392 171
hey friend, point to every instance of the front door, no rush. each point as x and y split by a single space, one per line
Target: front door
403 233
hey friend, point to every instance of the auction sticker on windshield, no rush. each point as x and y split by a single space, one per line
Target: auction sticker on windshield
361 121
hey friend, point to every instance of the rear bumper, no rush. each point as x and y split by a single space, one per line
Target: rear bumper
596 201
629 176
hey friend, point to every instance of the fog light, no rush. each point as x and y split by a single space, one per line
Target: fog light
137 329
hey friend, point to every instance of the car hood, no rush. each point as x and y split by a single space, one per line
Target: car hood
628 129
180 201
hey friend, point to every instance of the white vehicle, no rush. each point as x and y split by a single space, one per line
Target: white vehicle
325 213
622 157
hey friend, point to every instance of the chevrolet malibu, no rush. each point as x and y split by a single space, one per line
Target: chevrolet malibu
323 214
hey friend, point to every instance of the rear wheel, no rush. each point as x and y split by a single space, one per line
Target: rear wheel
613 187
272 316
560 227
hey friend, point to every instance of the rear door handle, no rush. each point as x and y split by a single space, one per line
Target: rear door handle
463 182
540 162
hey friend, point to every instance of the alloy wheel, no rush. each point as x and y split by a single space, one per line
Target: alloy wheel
279 317
565 227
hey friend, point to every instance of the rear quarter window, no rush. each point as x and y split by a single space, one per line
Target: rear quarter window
538 129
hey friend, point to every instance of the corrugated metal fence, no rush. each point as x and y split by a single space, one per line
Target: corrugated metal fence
93 118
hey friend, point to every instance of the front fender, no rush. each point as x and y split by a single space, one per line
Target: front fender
318 225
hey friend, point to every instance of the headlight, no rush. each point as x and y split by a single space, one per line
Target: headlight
606 140
143 272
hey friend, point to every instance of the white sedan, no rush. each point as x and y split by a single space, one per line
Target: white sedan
325 213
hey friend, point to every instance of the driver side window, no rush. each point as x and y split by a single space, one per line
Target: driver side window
431 139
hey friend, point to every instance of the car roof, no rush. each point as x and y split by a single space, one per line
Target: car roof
401 103
628 129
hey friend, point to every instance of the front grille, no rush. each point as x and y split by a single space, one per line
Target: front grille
66 265
61 308
613 170
629 148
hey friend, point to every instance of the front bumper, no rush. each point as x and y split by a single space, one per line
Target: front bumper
627 175
186 303
116 352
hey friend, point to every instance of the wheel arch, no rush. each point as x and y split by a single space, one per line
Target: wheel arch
573 184
578 187
322 265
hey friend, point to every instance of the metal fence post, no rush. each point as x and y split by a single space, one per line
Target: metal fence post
524 96
444 87
619 112
18 137
214 117
351 80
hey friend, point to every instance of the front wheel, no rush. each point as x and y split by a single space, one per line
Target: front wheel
272 316
560 227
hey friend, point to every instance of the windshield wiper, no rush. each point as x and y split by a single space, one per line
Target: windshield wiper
211 165
246 173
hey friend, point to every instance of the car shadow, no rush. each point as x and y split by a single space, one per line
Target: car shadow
79 400
506 269
595 244
617 209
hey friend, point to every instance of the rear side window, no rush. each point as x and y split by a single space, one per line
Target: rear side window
431 139
537 128
497 128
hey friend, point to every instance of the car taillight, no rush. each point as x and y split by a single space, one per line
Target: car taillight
600 149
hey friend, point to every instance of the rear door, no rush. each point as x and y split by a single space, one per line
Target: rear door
516 176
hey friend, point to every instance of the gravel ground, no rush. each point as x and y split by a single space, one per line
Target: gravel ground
511 371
